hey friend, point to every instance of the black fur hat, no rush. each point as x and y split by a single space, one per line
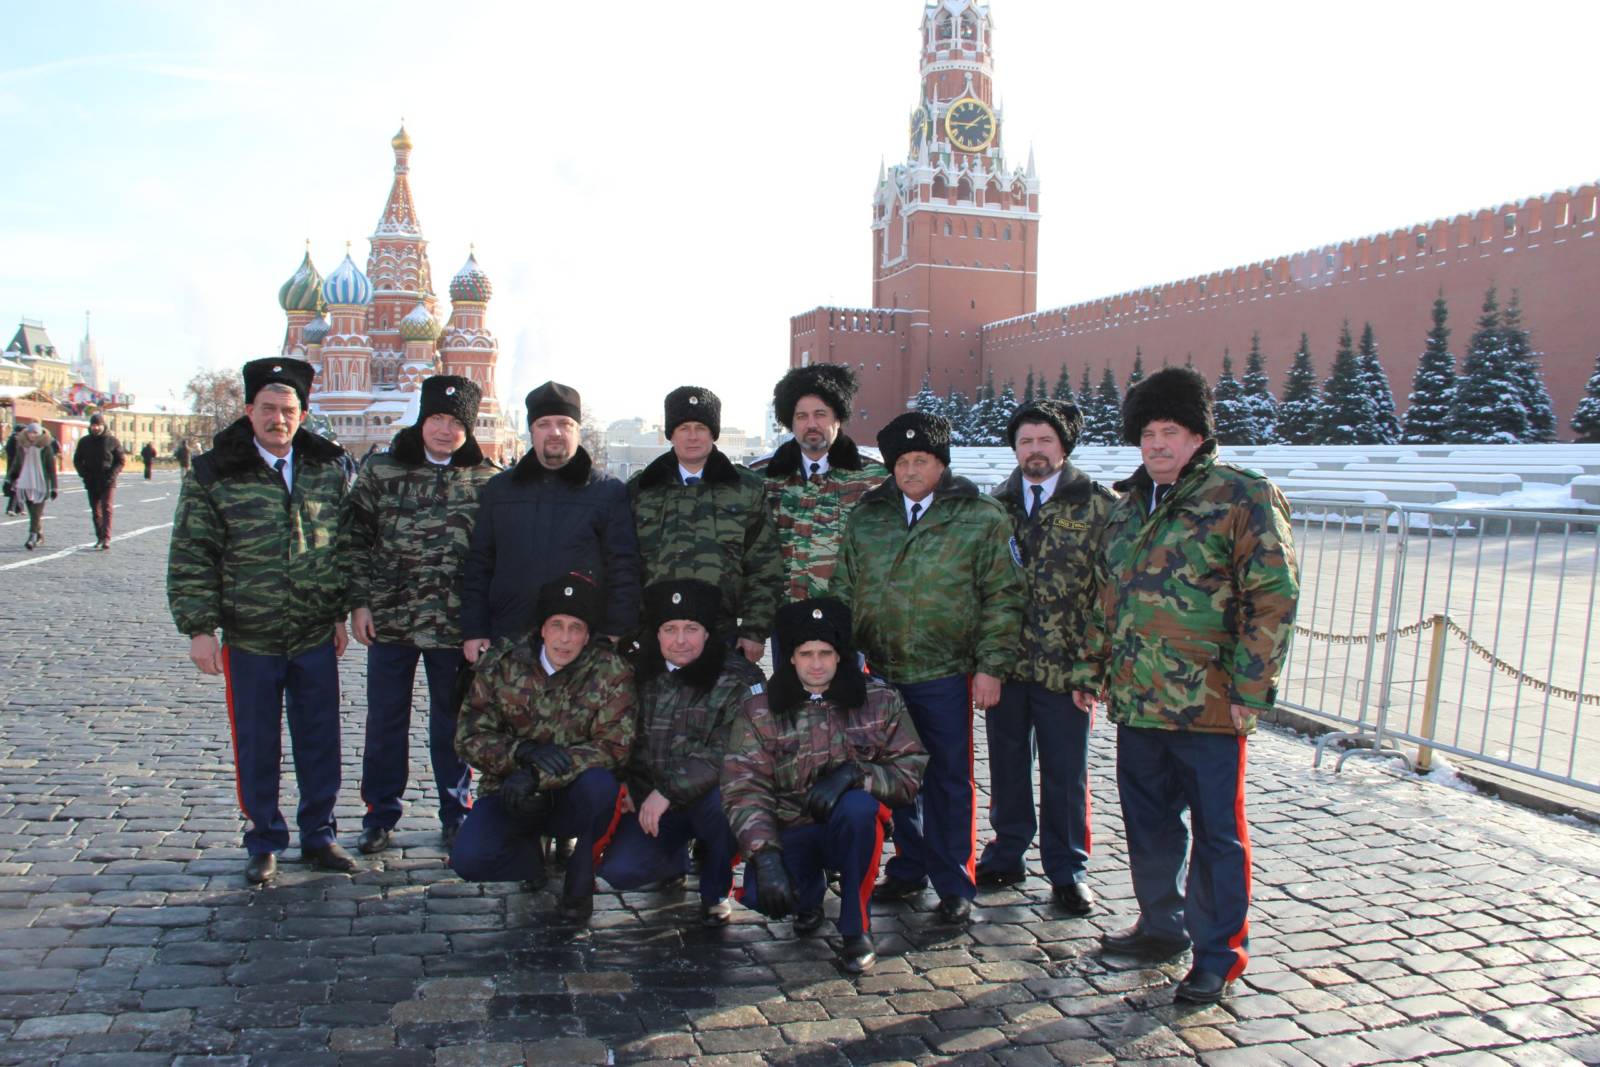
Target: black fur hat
835 383
278 370
450 394
825 619
694 403
1062 416
1171 394
553 398
915 431
682 598
572 594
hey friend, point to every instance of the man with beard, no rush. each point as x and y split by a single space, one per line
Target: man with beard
548 721
98 459
1058 515
412 510
690 688
814 764
551 514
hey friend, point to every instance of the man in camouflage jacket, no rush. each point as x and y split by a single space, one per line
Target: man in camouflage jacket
1197 593
927 570
690 687
814 765
411 515
699 515
548 722
815 479
1058 514
254 551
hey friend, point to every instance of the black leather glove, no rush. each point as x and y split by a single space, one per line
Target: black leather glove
775 896
550 761
825 791
522 798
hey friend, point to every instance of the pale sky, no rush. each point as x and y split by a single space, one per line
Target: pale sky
655 188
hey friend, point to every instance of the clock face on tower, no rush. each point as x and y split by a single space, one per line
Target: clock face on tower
969 124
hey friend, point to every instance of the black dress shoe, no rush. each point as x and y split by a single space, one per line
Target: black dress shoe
993 877
857 953
373 839
448 834
717 913
576 909
954 910
892 889
262 868
1134 941
1074 898
807 922
331 857
1201 987
537 882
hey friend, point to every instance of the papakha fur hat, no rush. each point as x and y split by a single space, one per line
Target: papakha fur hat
1171 394
1062 416
835 383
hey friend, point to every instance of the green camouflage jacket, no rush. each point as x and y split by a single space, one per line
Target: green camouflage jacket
683 722
1057 552
941 599
587 706
261 566
1196 601
810 511
410 521
719 531
772 762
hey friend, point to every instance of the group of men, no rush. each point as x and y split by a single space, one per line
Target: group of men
590 650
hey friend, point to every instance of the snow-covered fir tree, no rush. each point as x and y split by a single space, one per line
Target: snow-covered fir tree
958 409
1063 390
1227 402
1528 366
1348 416
1300 413
1586 419
1027 389
926 400
1136 375
1107 412
1256 394
1433 389
1488 406
1385 423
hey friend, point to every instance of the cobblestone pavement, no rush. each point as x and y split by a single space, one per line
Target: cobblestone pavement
1395 920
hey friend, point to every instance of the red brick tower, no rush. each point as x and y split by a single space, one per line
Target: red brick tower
470 350
398 267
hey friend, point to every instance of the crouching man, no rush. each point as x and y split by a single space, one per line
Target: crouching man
814 765
689 690
548 721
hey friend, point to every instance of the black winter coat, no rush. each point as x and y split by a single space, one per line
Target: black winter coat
535 525
98 460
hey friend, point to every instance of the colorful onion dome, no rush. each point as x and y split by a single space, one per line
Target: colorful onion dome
470 283
303 291
401 139
347 285
419 325
314 331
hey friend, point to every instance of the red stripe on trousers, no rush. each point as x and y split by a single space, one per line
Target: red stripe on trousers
605 839
233 729
972 790
1236 942
869 877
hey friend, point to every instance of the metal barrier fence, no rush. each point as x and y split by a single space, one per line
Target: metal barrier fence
1466 632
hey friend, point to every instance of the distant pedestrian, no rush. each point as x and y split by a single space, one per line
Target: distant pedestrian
99 459
148 454
31 477
182 456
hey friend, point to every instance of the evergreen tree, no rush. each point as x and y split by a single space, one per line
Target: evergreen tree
1256 394
1085 397
1488 405
1063 390
1300 414
1433 389
1107 412
1227 401
1586 419
1136 375
926 400
987 424
1385 423
1027 390
1348 415
958 409
1003 407
1525 363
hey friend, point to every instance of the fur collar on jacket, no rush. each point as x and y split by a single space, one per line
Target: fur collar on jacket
408 449
576 472
785 694
698 676
663 470
844 455
1074 486
234 449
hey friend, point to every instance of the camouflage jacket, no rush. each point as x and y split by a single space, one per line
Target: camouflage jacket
719 531
810 511
1057 551
683 722
772 762
1196 601
587 706
939 599
410 521
262 566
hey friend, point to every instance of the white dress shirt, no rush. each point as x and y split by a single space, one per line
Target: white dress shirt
272 461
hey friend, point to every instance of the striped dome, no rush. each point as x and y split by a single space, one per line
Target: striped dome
470 283
419 325
303 291
347 285
314 331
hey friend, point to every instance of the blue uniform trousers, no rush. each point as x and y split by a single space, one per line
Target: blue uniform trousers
1028 715
496 846
634 858
262 691
851 843
936 835
385 765
1159 774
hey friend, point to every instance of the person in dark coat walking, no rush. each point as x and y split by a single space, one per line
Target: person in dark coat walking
148 454
31 477
181 454
98 459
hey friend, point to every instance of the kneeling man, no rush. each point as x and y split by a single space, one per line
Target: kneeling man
813 766
548 721
689 690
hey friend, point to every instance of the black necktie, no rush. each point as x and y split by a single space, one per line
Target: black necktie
693 479
278 469
815 467
916 513
1038 502
1157 495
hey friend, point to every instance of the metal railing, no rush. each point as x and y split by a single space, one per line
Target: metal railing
1457 631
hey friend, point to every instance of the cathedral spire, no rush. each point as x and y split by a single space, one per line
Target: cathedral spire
399 213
